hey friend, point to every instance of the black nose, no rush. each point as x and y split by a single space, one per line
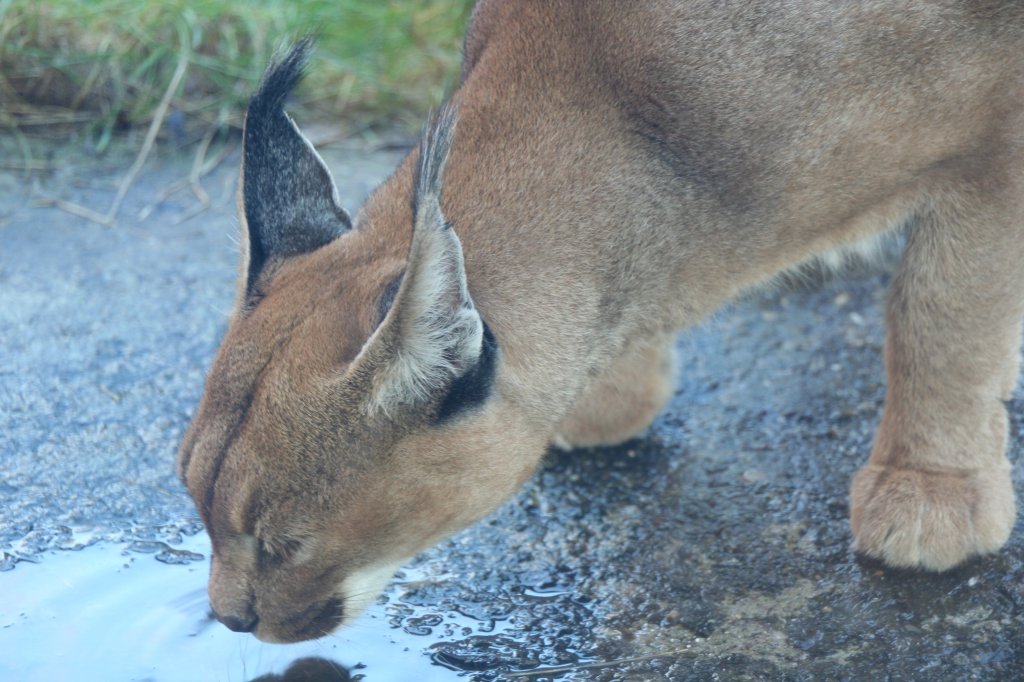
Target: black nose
246 623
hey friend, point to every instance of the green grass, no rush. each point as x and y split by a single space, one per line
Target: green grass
100 66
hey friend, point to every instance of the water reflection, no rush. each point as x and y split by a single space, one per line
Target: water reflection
110 613
309 670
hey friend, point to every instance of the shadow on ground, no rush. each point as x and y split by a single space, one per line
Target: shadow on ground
716 547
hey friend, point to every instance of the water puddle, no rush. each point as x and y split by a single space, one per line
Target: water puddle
140 612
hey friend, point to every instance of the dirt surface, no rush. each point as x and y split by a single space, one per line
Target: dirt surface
716 547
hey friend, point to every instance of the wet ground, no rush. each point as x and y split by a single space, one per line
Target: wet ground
716 547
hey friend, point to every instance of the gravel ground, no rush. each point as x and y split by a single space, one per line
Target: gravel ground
716 547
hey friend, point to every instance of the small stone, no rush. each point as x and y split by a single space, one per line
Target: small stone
753 476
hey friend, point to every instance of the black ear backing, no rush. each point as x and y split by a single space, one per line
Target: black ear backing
474 387
289 200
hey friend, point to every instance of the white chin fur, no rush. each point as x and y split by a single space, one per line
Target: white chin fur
362 587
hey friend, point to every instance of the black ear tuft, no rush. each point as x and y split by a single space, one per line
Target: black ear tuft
280 79
289 199
434 149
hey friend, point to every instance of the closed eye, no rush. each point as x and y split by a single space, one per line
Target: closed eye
279 550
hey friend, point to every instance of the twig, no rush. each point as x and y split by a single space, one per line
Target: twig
77 210
216 161
328 138
194 177
29 164
140 159
165 194
42 116
197 166
601 664
112 394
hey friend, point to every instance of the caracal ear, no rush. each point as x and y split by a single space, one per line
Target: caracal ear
289 204
433 334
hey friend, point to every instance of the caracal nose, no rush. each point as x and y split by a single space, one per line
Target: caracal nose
238 623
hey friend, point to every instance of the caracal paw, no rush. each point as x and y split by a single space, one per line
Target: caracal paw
933 520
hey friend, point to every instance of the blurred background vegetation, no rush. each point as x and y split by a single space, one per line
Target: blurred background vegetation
86 70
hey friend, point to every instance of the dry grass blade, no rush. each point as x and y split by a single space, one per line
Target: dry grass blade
147 146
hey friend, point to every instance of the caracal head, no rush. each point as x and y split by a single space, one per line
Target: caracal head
354 413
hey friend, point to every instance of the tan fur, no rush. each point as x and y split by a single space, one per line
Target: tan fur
625 399
619 171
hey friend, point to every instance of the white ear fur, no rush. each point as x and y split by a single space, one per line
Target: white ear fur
438 333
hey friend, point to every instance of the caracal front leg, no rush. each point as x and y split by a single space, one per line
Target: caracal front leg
937 487
625 399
